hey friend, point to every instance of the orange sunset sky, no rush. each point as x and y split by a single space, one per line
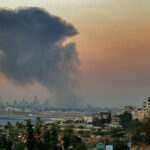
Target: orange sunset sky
113 45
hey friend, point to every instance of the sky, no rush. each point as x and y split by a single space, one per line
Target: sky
113 47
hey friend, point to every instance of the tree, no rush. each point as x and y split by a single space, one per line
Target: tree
125 119
116 132
18 145
30 136
8 125
81 146
119 145
19 125
3 141
72 140
145 129
99 132
46 139
108 120
141 133
54 133
39 137
38 126
133 124
137 138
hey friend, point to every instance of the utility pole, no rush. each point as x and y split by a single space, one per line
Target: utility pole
130 138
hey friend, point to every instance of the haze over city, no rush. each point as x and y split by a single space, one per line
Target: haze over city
83 52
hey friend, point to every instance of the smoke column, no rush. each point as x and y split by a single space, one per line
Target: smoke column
31 49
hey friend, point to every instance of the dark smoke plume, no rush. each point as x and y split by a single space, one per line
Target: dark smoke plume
31 50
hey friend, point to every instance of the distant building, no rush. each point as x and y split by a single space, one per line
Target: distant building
36 101
105 114
128 109
101 115
88 119
140 114
89 126
115 120
146 106
13 109
15 102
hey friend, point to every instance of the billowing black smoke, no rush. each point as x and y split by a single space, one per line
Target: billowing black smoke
31 50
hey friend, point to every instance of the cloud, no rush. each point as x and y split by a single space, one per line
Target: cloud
31 45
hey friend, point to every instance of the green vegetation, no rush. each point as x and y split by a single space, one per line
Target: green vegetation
39 136
134 130
84 134
125 119
141 134
116 132
99 132
70 139
133 124
119 144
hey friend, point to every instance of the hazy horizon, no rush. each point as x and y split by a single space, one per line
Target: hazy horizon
108 64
